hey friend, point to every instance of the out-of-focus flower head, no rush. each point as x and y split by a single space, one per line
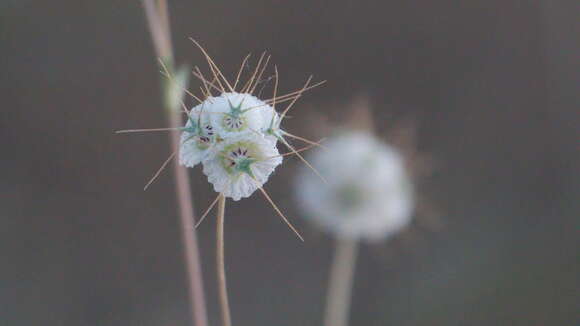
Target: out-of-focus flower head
370 191
368 194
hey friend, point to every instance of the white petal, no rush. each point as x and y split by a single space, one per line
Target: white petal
190 154
252 119
191 151
237 184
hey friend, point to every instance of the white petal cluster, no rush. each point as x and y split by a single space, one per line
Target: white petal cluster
232 136
368 193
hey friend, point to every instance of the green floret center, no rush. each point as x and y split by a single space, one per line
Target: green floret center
234 123
235 120
243 166
349 196
238 158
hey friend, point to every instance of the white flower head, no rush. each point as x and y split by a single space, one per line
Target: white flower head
197 138
240 165
236 114
233 134
368 193
220 118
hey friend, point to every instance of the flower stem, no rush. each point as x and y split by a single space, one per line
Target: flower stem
221 266
340 285
158 21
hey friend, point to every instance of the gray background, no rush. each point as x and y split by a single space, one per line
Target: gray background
493 86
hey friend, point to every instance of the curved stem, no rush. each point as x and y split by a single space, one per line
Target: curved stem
221 266
340 285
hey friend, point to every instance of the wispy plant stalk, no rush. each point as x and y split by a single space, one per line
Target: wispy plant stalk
221 266
340 285
158 20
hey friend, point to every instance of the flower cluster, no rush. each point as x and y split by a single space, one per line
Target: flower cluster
368 193
233 134
234 137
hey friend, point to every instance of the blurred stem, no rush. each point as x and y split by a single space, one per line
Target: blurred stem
158 22
339 292
221 266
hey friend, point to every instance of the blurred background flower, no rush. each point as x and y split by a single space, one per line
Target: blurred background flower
367 195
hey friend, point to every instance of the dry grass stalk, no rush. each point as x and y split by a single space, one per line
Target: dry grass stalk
158 21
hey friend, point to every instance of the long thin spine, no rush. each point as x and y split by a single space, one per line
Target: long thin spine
285 133
241 69
303 159
159 170
259 76
295 99
278 211
212 63
126 131
250 81
292 152
202 218
205 81
293 94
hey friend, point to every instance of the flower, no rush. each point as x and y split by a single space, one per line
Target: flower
234 114
368 193
222 117
228 135
232 134
197 138
240 165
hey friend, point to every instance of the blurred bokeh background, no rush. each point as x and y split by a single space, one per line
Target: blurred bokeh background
492 85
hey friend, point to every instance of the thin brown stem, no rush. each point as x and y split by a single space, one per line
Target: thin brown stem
340 285
158 21
170 77
164 21
159 33
221 266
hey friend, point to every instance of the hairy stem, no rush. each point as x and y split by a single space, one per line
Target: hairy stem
221 266
158 21
340 285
